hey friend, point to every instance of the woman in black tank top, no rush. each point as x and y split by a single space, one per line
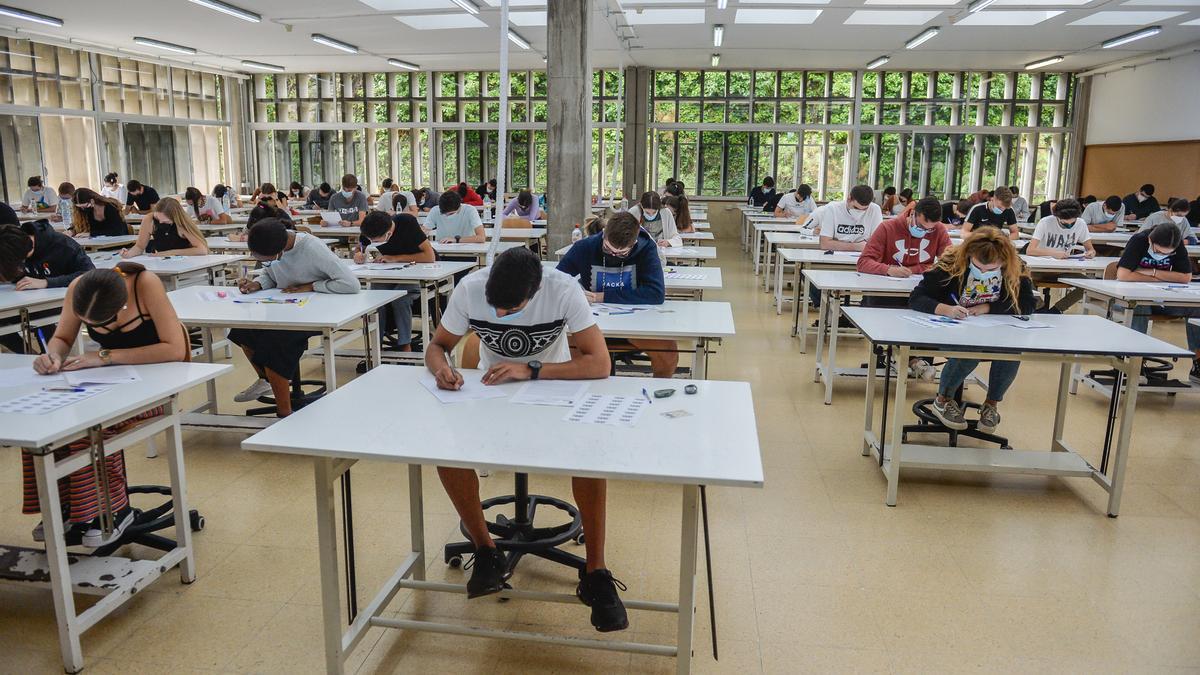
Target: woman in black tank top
126 311
167 230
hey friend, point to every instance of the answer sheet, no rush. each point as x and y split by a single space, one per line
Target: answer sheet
550 392
42 402
472 390
102 375
20 377
621 411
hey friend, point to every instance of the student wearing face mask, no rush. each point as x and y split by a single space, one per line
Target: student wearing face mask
1020 205
97 216
761 193
847 225
32 256
453 223
64 212
983 275
397 238
902 201
1103 216
1060 236
167 230
350 202
954 213
1140 204
113 188
1176 214
1159 255
659 222
318 199
621 265
206 209
995 212
796 204
37 198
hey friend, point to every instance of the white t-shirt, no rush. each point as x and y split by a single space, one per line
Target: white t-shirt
385 201
212 207
537 333
41 200
119 192
1052 234
1094 214
795 208
461 223
837 221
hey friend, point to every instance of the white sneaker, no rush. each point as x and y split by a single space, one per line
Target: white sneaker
94 537
923 370
253 392
39 532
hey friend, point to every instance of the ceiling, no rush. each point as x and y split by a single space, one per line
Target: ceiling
790 34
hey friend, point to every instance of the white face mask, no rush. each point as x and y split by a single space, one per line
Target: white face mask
1178 219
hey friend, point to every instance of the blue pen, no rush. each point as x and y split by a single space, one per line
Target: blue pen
648 399
76 390
42 339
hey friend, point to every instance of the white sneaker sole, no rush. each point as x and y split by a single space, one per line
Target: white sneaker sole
96 538
957 426
253 393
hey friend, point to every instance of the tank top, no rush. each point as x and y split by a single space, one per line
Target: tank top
166 237
143 333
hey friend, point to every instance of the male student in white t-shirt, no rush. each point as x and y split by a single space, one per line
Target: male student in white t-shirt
523 314
796 204
847 225
1060 235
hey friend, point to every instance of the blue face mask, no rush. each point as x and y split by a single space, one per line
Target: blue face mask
984 276
1156 256
507 317
656 216
997 211
916 231
1109 216
348 193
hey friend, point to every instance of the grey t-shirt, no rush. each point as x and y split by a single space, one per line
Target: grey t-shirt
349 208
309 262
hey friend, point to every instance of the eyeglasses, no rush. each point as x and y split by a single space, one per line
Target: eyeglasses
98 324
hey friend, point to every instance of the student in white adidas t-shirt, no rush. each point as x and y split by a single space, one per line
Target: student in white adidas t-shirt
796 204
1063 233
847 225
523 314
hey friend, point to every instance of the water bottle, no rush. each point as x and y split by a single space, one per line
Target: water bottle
576 234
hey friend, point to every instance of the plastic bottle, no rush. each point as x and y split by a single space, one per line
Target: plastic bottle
576 234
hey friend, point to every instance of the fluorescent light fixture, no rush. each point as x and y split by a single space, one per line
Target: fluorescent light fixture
722 4
30 16
978 5
718 35
885 17
517 40
1124 18
1130 37
1044 62
259 65
878 62
468 6
165 46
716 60
924 37
404 65
226 8
336 44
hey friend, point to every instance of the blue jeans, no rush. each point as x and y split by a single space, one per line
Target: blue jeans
1141 321
1000 377
397 315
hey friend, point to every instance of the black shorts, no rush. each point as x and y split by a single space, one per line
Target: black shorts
277 350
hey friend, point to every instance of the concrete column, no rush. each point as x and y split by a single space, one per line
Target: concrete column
569 122
635 176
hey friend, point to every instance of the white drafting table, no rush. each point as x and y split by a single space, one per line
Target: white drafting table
833 284
699 323
1090 267
680 281
102 243
40 434
717 445
225 245
805 259
760 228
22 305
676 255
476 252
1071 338
436 278
774 241
698 235
1118 300
177 270
1120 239
239 223
324 313
748 221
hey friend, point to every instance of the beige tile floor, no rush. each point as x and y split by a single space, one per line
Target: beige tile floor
813 572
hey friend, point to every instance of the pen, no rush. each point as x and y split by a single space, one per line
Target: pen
42 339
75 390
648 399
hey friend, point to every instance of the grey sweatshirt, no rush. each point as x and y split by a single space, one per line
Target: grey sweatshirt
309 261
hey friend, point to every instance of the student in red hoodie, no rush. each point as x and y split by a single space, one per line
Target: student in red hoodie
469 195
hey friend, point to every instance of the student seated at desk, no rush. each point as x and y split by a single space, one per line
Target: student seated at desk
660 223
296 191
126 312
762 193
796 204
1176 214
1160 256
887 198
295 262
427 199
398 238
983 275
846 225
401 203
1062 234
487 190
37 198
467 194
350 202
167 230
113 188
318 199
522 206
384 202
954 213
204 209
681 211
995 212
451 222
523 316
32 256
903 199
141 198
621 265
97 216
1020 205
64 211
1139 205
1104 216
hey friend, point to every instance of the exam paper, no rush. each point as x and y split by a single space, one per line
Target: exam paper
20 377
42 402
331 217
472 390
620 411
932 321
550 392
102 375
273 296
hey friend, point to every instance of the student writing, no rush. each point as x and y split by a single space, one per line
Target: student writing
846 225
657 221
32 256
1176 214
796 204
349 202
1104 216
37 198
141 198
97 216
397 238
167 230
451 222
996 211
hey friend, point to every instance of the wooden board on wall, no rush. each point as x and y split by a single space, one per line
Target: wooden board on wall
1121 168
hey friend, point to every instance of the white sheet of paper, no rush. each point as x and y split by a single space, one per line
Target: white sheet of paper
104 375
932 321
20 377
331 217
472 390
550 392
621 411
220 295
42 402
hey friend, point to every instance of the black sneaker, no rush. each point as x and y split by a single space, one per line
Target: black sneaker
1194 375
598 590
491 571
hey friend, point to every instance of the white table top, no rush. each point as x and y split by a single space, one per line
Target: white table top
1139 291
39 298
472 249
158 381
697 236
1044 264
116 241
772 226
813 256
674 319
170 266
1068 334
435 271
335 231
690 252
322 311
517 232
224 244
716 445
711 277
857 282
792 240
1120 239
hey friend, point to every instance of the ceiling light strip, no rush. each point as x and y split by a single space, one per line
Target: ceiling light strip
166 46
27 15
259 65
924 37
336 44
878 62
1044 62
1130 37
226 8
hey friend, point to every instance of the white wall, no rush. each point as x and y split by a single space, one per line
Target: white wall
1158 101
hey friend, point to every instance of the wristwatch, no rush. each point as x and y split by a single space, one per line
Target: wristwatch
535 368
457 238
105 356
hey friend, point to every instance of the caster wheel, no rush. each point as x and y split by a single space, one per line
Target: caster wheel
455 562
196 520
579 539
